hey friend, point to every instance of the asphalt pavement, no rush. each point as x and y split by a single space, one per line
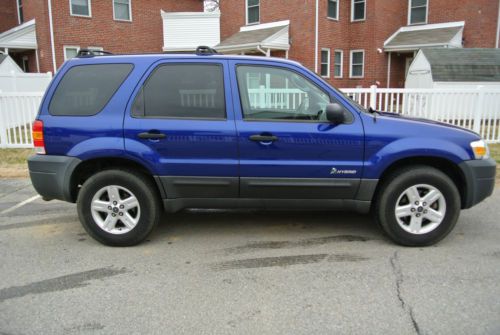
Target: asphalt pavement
243 272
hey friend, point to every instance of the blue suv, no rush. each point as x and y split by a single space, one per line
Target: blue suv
128 136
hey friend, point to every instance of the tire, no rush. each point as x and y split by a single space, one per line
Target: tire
130 219
418 183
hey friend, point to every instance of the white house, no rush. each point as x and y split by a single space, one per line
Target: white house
185 31
455 68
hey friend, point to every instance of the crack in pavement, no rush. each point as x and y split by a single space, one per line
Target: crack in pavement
396 269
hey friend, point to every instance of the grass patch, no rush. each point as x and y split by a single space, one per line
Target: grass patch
13 163
495 152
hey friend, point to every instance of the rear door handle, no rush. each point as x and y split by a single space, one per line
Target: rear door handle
263 138
151 135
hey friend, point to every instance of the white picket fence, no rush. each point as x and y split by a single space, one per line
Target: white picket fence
14 82
475 109
17 112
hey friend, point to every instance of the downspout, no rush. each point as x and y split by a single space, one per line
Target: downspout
316 29
51 28
498 26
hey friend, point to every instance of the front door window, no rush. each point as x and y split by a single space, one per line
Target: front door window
279 94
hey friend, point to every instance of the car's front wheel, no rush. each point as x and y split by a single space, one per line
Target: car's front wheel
118 208
417 206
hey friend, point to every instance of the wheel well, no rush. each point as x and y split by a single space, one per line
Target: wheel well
447 167
86 169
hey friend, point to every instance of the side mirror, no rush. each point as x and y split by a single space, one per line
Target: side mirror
335 113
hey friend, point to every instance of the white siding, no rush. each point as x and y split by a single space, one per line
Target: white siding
280 40
186 31
24 82
9 66
419 74
466 85
22 36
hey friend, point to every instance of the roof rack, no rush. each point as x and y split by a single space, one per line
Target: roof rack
92 53
204 50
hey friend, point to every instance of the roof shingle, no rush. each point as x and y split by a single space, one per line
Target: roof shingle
466 65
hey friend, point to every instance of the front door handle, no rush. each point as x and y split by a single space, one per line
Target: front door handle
151 135
263 138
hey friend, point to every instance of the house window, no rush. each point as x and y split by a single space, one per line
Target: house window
358 10
339 58
80 8
333 9
70 52
325 63
122 10
20 11
357 64
253 11
417 11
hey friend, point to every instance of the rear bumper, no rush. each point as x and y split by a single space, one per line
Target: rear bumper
479 180
50 176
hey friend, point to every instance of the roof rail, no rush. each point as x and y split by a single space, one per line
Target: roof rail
204 50
92 53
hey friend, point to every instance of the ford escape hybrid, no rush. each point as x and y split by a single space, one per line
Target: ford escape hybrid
127 136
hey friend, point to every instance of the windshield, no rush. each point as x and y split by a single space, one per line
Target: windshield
354 102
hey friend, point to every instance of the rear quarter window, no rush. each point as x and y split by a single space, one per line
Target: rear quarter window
86 89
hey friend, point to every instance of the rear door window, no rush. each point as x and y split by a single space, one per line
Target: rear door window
86 89
182 91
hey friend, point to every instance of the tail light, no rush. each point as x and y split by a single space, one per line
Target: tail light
38 137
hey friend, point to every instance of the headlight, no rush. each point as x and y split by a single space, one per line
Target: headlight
480 149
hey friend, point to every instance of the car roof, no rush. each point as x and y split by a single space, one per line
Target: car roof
155 57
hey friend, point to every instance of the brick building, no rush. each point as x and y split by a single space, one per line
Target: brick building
119 26
356 42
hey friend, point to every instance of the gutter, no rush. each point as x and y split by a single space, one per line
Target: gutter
51 28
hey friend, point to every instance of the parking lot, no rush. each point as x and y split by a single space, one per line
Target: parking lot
250 272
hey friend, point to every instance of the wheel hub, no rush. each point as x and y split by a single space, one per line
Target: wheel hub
420 209
115 209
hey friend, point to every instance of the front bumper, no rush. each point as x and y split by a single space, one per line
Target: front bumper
479 180
51 176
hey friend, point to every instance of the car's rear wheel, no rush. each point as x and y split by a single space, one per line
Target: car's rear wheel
118 208
417 206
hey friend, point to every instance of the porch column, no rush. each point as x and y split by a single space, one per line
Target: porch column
389 71
37 61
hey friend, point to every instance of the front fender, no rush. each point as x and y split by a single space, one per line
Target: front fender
378 160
